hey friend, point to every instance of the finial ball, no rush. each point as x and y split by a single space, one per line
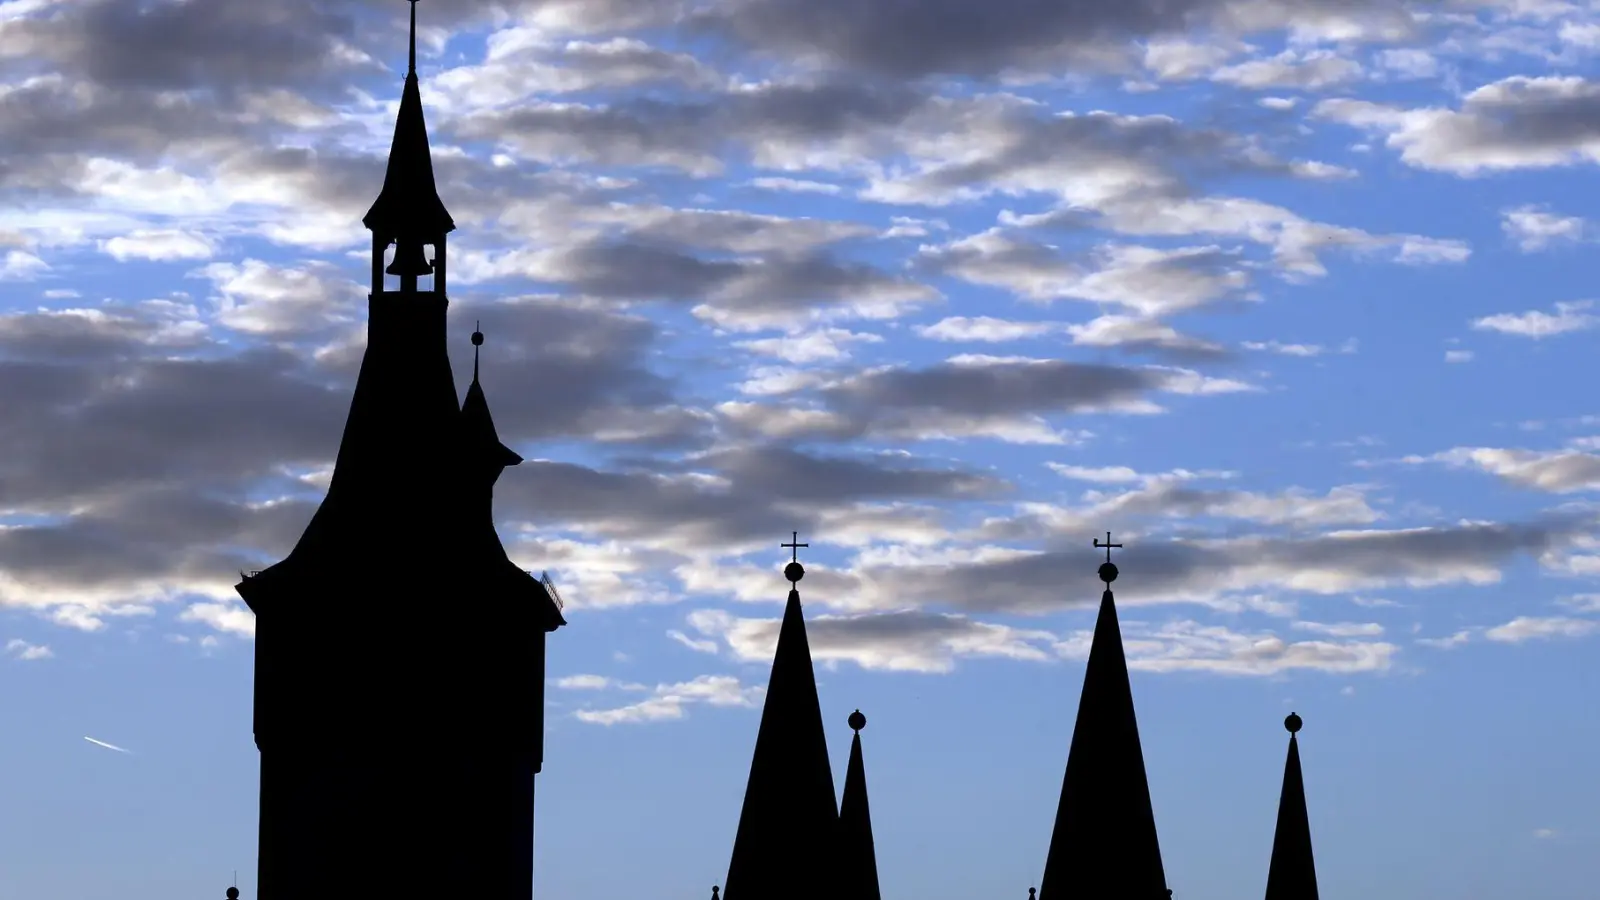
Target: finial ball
477 339
1108 572
233 893
794 572
1293 723
857 721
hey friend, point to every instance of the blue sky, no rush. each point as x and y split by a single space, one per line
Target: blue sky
1291 296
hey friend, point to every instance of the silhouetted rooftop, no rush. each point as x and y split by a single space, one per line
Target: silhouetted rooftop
858 859
409 203
1293 872
1104 844
788 827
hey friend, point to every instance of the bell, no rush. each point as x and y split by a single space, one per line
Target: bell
409 260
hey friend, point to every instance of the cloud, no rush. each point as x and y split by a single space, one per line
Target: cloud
668 701
1567 318
100 743
986 329
1556 471
909 40
1519 122
1532 229
1528 628
159 246
904 641
17 648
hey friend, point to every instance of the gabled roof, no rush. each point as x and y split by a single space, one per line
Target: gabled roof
1104 844
1293 873
788 826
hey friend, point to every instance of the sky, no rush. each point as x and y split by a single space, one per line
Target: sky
1290 296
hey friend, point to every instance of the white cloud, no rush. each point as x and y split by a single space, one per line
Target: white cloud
159 245
1528 628
1532 228
1567 318
17 648
669 701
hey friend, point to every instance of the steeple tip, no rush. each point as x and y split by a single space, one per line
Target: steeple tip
794 571
411 65
1293 723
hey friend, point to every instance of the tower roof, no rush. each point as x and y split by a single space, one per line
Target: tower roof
409 203
858 861
1104 844
478 422
1293 873
788 826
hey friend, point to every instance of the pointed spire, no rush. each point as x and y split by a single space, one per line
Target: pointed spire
858 861
409 204
1293 872
411 65
1104 844
788 826
479 423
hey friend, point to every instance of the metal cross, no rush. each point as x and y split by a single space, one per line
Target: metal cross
796 545
1107 545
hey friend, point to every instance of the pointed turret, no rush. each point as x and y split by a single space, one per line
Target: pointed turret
409 204
1104 844
858 861
788 827
483 441
1293 873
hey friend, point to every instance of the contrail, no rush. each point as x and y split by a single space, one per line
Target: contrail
106 745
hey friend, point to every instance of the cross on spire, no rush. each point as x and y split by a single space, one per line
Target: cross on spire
794 546
794 571
1107 545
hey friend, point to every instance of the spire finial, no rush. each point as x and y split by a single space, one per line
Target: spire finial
714 892
794 571
1108 569
477 327
857 721
1293 723
1031 892
412 68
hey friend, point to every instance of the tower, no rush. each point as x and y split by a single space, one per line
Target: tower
399 671
787 837
1293 871
1104 844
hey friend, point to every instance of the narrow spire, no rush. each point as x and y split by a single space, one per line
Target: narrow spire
411 67
1293 872
1104 844
477 327
858 861
789 823
409 204
480 424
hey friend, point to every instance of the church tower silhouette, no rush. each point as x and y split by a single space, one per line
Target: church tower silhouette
400 654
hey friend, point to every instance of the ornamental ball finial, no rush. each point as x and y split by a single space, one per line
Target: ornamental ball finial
477 338
794 572
1293 723
857 721
233 893
1108 572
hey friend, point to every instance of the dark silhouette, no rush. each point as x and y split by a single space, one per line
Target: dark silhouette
1104 844
400 655
1293 874
786 846
858 862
